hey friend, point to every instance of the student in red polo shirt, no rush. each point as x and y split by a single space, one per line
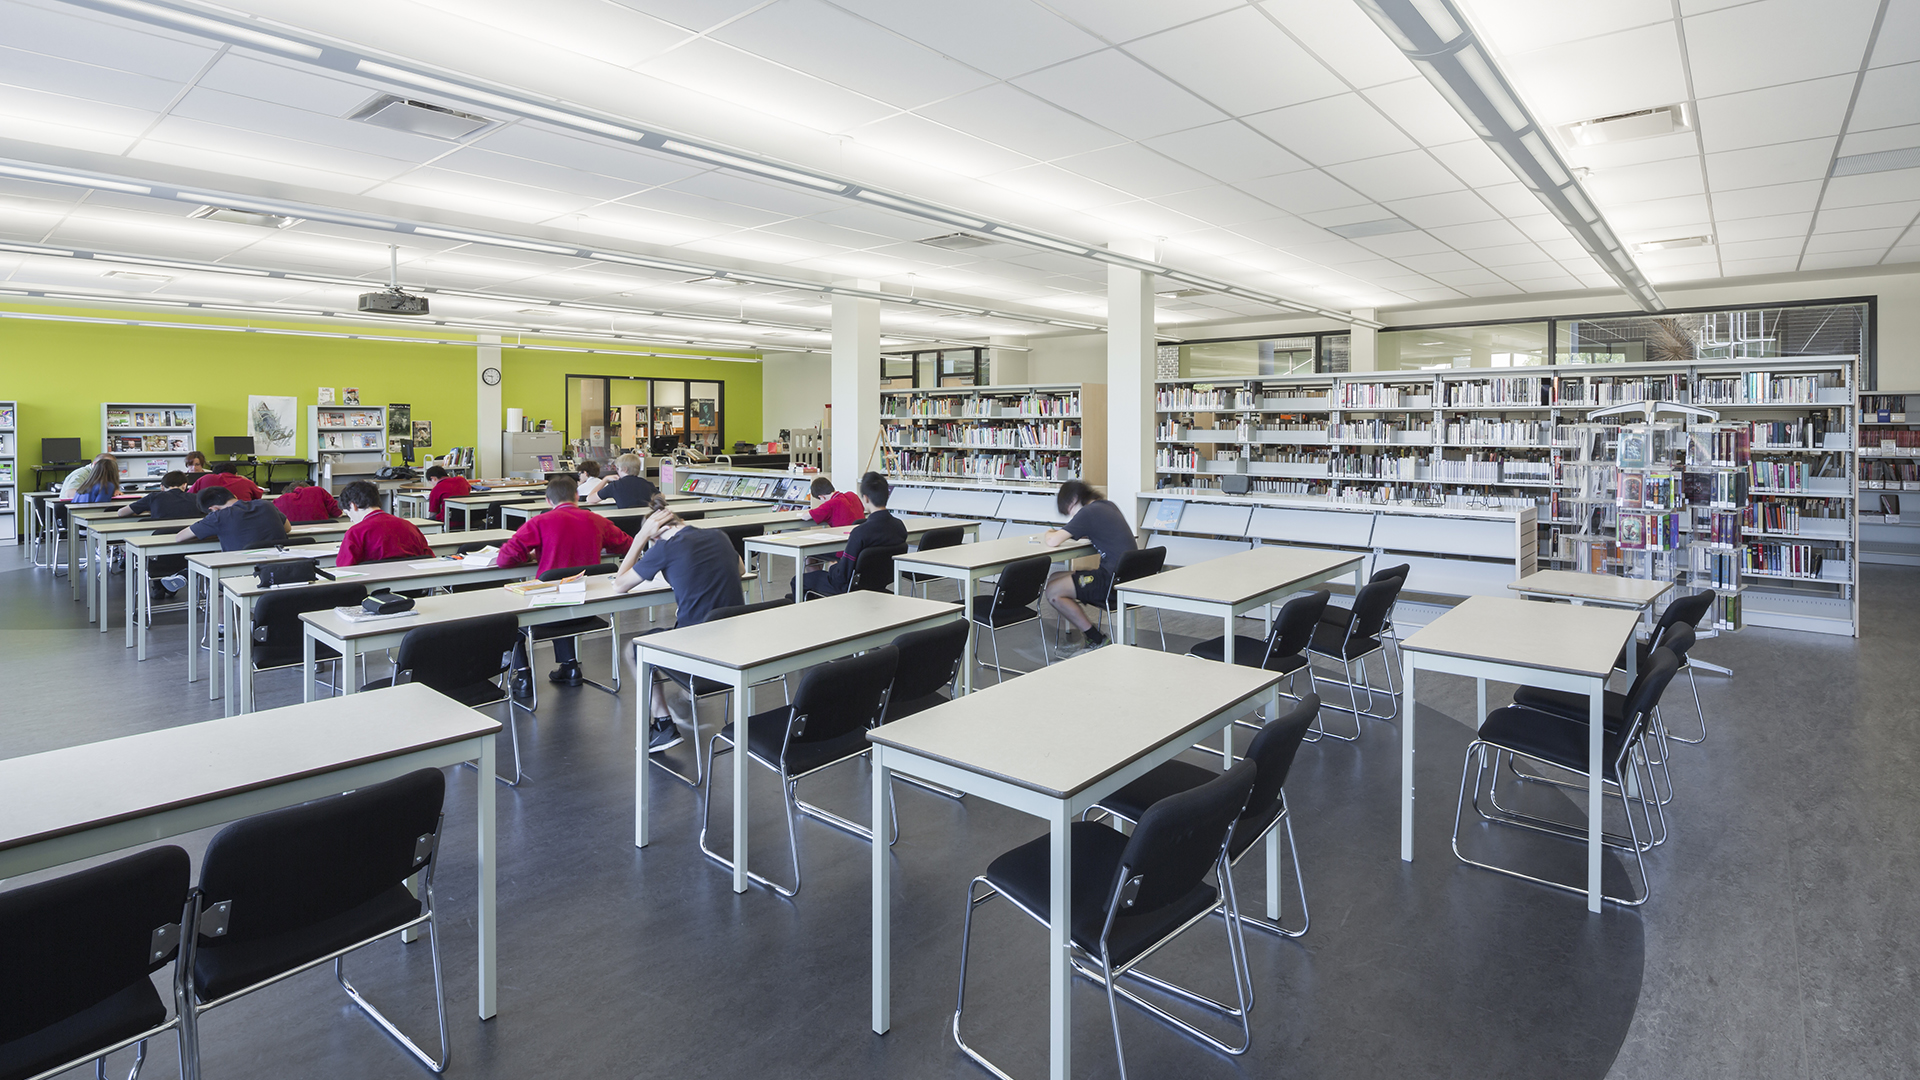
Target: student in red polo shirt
833 508
444 487
227 475
564 536
305 502
375 535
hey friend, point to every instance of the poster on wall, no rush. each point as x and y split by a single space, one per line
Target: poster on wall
326 395
423 433
274 424
399 420
353 396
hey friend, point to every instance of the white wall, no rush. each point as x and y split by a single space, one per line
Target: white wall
794 390
1071 358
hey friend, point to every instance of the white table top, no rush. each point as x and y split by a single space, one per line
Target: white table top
821 534
772 518
60 792
1551 637
1242 576
438 541
990 553
150 537
400 574
1605 588
747 641
1062 728
429 610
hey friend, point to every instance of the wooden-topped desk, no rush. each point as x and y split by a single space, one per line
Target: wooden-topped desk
1052 743
803 544
72 804
968 563
750 649
1552 645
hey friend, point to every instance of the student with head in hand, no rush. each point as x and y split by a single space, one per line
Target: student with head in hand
563 537
630 489
833 508
1095 519
305 501
375 535
238 524
445 486
71 483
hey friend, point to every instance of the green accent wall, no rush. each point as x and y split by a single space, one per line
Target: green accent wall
61 372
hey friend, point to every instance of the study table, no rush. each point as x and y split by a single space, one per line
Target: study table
749 649
1602 589
968 563
803 544
513 515
1557 646
483 502
82 801
1052 743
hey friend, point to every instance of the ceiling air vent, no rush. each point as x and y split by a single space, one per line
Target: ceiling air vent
420 118
1181 293
244 217
1376 227
1622 127
957 241
713 281
1675 242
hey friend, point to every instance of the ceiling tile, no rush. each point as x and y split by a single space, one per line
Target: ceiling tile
1348 215
1634 151
1762 165
1515 200
1473 163
1794 198
1286 232
1421 112
1638 183
1762 249
925 142
1239 61
1397 176
1303 192
1399 246
610 32
1428 296
1872 142
1470 275
1229 151
1448 208
1643 67
1058 186
67 134
90 82
1481 234
1344 39
1219 205
1021 122
1876 216
726 73
1899 40
1824 37
258 146
641 168
1121 94
281 124
1840 260
1775 226
519 170
1869 188
1148 218
1333 130
106 41
1435 263
849 51
1523 25
1523 271
1136 169
1687 213
758 195
1889 97
1775 114
1758 267
1004 38
1860 240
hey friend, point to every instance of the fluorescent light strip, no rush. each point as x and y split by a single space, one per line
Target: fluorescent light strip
477 238
26 250
1018 236
214 27
93 298
211 268
753 165
263 310
511 104
907 206
283 211
24 173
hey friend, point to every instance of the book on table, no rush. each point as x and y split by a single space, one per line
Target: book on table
362 615
576 583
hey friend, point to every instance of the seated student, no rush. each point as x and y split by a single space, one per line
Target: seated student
196 464
833 508
590 480
376 535
238 524
303 501
101 484
226 474
631 489
1093 518
71 482
563 536
880 529
171 501
704 572
444 487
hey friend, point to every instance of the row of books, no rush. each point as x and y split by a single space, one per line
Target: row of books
1508 433
1723 527
1883 408
336 418
1593 391
1763 388
150 444
1902 437
988 466
1785 515
1882 473
334 440
784 488
1520 391
1653 532
1719 569
146 418
952 406
1355 395
1382 467
1194 397
1789 560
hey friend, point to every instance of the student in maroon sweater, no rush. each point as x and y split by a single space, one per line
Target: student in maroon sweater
227 475
375 535
304 502
444 487
565 536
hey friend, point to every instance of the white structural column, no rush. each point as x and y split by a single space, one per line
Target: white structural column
1130 356
1010 367
856 386
1362 356
488 419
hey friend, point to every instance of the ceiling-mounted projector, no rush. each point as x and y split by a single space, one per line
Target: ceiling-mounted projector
393 300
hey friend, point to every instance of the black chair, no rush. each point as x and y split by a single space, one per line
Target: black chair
286 891
1273 750
1354 642
929 664
1553 740
1133 894
570 628
465 660
1284 650
79 953
826 724
277 630
300 540
1688 610
934 540
872 570
1342 615
699 688
1134 565
472 586
1012 603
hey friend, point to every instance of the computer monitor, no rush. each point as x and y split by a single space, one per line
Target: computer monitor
60 450
232 445
662 445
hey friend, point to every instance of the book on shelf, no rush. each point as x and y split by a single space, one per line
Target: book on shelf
155 444
1166 515
6 416
156 467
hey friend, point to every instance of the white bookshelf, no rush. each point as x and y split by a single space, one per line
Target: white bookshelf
346 435
148 439
1042 432
1889 468
10 523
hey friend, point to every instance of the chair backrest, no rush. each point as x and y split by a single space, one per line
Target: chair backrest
873 570
1139 563
287 541
928 660
738 535
1677 640
73 942
451 655
747 609
559 572
276 614
1372 605
1293 630
935 539
1180 838
466 549
166 532
1644 695
1273 749
1021 582
290 869
843 696
1687 609
1400 572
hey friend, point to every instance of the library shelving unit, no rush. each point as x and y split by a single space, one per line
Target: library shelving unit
346 435
776 487
1044 432
1889 448
149 439
10 524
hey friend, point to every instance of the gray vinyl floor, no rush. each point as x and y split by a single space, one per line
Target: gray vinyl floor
1779 941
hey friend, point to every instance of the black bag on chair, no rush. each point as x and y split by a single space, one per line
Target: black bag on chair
289 572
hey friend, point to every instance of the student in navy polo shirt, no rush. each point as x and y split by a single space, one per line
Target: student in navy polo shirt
565 536
237 524
879 529
171 501
1095 519
375 535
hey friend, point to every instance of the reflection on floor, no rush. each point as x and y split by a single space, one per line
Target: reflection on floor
1776 942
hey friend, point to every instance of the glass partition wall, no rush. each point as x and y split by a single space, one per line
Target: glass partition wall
610 414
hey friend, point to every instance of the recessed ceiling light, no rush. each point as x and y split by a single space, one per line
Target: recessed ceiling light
1376 227
1622 127
420 118
132 276
235 216
1672 243
957 241
1180 294
713 281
